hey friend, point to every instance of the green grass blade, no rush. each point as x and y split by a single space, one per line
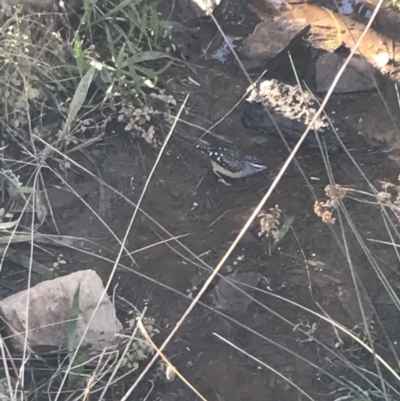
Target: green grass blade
120 7
285 228
78 53
153 74
89 6
155 24
146 56
119 63
77 369
78 100
73 321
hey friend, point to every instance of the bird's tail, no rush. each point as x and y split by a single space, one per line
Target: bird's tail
202 148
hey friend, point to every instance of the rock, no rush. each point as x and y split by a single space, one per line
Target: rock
351 303
228 299
325 26
50 307
356 78
271 36
56 197
292 111
206 7
381 59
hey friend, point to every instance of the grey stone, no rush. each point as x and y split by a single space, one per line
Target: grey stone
351 303
271 36
227 298
50 307
357 77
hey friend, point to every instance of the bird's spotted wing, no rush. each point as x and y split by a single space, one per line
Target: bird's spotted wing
255 162
228 159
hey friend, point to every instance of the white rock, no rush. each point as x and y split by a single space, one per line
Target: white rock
50 306
205 7
381 59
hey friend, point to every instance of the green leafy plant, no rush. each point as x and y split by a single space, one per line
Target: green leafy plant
76 80
33 68
130 50
140 348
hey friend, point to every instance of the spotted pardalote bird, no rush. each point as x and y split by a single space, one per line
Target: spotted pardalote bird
231 163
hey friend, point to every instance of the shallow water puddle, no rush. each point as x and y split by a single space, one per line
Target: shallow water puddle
223 52
349 7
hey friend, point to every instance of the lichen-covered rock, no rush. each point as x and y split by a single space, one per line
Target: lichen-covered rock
292 111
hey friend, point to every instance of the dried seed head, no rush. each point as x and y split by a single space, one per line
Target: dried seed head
397 200
170 373
335 192
270 223
384 196
386 185
324 210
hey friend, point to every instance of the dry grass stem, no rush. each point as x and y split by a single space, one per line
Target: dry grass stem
171 369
